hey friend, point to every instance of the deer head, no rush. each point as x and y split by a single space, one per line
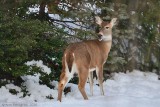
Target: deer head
105 32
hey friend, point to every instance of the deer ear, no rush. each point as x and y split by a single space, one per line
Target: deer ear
98 20
113 21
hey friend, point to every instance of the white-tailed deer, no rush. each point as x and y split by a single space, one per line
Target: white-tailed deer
84 57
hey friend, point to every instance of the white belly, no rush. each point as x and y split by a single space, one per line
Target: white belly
92 69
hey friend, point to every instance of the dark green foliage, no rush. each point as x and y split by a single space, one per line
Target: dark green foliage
13 91
136 37
49 97
24 39
24 90
149 42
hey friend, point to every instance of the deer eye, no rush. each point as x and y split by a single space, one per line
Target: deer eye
107 27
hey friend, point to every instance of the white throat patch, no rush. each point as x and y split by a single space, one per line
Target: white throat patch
106 38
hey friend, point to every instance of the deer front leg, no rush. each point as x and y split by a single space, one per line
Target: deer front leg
91 82
99 72
60 90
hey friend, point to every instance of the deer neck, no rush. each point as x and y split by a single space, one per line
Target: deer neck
107 38
106 44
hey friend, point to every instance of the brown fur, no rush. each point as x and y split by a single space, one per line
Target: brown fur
86 55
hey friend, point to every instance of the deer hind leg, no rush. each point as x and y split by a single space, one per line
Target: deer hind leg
64 80
83 75
91 82
99 72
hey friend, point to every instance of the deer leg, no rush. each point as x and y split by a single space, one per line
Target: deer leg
91 82
61 86
99 72
60 90
83 75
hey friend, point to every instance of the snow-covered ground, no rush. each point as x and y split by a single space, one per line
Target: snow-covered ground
133 89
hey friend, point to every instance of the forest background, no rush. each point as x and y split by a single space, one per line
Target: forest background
41 30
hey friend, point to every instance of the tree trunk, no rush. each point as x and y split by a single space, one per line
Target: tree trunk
42 10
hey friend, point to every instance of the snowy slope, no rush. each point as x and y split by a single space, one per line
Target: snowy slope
135 89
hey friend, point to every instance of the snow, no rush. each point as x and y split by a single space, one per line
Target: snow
131 89
40 64
64 6
37 92
35 9
12 86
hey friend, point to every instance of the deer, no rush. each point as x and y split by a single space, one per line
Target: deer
84 57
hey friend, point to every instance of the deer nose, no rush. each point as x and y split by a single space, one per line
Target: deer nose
99 35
